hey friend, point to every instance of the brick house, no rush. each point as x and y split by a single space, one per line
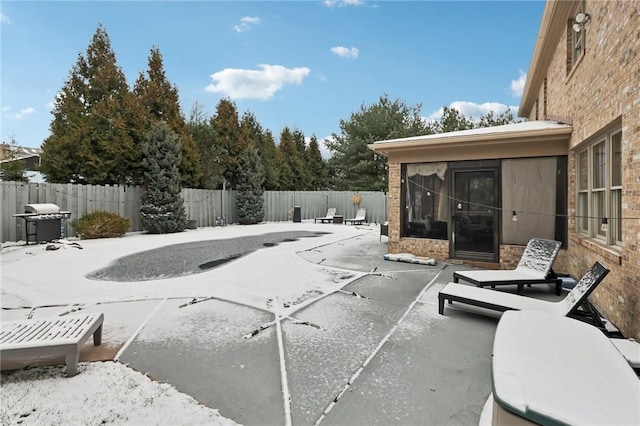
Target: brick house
570 173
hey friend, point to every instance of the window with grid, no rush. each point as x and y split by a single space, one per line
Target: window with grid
599 188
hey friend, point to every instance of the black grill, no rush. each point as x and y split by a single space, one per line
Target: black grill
43 222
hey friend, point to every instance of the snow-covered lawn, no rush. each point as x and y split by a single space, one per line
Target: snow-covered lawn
39 282
103 393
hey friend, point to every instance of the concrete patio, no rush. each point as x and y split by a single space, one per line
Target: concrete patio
375 352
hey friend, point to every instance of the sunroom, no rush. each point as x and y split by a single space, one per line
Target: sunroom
468 195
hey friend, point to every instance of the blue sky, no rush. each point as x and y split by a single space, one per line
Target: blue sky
301 64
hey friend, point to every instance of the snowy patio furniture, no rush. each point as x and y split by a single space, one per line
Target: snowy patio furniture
361 215
328 218
571 305
534 267
548 369
50 336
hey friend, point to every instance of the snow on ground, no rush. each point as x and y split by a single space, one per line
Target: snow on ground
49 282
102 393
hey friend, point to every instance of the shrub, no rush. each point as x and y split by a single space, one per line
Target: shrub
101 224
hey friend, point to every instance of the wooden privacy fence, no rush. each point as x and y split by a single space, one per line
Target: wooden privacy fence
205 206
78 199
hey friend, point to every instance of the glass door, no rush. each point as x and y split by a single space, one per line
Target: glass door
474 214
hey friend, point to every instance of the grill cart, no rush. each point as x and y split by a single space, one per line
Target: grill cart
43 222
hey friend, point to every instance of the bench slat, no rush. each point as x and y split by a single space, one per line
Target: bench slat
45 332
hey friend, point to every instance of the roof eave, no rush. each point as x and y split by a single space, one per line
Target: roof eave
553 25
461 141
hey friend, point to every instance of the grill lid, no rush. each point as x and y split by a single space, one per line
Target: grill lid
45 208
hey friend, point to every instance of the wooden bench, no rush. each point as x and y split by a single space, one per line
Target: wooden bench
50 336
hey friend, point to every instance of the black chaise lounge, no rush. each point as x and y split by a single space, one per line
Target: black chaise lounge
534 268
575 304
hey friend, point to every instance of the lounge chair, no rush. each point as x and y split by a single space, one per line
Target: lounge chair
361 215
328 218
50 336
534 267
575 304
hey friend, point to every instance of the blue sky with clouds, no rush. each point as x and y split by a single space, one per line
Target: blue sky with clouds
301 64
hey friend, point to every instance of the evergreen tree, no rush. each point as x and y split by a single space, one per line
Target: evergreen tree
161 102
305 178
293 176
270 161
93 131
489 120
317 167
12 170
250 132
227 127
204 136
249 201
353 165
162 209
452 120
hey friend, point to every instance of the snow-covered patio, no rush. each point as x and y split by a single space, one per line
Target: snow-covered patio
307 325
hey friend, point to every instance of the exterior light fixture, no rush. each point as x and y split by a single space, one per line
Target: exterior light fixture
514 217
581 20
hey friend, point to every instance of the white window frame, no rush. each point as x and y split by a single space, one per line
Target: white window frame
599 200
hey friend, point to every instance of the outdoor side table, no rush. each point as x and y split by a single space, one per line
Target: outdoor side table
338 218
553 370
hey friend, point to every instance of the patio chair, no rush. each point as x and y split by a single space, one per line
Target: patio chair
328 218
65 335
361 215
534 267
575 304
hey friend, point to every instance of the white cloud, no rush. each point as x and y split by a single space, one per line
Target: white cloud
255 84
4 18
345 52
246 23
18 115
341 3
473 110
517 86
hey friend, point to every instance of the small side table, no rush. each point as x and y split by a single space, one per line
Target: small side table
338 218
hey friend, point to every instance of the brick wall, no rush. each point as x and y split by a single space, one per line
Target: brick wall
393 213
436 249
601 89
